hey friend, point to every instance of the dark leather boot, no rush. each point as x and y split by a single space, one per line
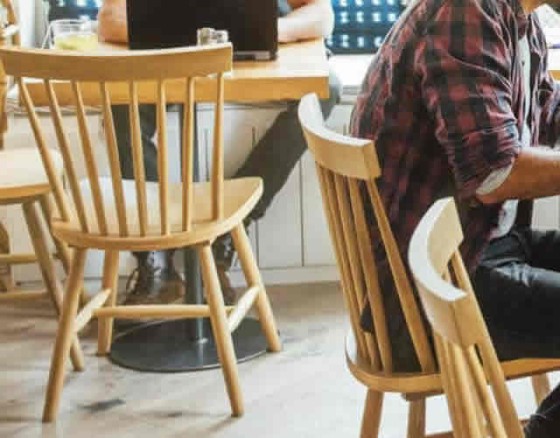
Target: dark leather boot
155 280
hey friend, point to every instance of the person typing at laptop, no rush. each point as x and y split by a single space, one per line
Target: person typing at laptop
272 159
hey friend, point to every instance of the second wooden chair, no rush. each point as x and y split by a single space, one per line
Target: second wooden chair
464 348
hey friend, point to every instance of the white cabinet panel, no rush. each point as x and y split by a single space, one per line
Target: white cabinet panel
280 238
317 247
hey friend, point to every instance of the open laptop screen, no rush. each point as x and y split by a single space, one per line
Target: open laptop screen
251 24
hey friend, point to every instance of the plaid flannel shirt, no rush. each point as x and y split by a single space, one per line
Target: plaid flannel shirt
443 102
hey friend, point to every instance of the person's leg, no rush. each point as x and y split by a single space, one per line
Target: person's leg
273 159
155 278
518 288
276 154
545 423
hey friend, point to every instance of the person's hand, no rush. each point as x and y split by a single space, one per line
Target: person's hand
112 23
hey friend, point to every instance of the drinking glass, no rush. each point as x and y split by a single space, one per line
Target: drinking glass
73 35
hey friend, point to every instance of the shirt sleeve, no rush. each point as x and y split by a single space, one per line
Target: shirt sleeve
467 91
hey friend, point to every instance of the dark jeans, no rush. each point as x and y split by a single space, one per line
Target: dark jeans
272 159
545 423
517 285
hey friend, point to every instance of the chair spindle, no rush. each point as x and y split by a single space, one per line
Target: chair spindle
89 158
138 159
114 160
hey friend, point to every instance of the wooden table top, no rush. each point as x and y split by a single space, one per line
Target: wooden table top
300 68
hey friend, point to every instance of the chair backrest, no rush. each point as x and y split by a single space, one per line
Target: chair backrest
464 349
146 75
347 169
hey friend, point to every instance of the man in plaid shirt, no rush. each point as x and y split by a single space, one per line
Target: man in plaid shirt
459 102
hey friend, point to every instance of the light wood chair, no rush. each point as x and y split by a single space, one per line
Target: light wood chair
8 34
347 169
464 348
113 215
23 182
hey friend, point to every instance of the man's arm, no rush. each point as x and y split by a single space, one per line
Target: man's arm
535 174
308 19
112 25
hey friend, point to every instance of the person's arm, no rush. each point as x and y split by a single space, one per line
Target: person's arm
308 19
112 24
536 171
535 174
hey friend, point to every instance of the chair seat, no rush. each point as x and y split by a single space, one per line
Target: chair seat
23 175
405 383
430 383
240 196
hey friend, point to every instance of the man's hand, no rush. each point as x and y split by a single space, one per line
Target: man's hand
308 19
112 21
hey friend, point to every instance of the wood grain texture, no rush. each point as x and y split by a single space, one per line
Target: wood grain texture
300 68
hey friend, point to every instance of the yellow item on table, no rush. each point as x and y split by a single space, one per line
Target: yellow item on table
76 41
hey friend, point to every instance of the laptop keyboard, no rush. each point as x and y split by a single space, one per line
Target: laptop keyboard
361 25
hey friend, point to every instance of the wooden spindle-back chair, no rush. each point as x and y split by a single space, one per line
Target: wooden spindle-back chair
464 348
23 182
107 213
346 167
10 35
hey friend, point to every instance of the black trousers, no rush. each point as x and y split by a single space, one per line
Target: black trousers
545 423
272 159
517 285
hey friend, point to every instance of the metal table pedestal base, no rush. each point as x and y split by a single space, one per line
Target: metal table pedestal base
166 347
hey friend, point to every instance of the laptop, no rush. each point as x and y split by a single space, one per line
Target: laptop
251 24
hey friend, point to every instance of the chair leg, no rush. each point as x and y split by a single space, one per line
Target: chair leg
6 279
417 419
541 387
48 272
253 277
64 335
222 335
110 281
64 253
371 419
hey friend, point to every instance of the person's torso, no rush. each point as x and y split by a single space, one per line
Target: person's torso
391 111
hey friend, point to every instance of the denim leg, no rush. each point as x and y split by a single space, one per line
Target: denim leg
147 128
276 154
519 294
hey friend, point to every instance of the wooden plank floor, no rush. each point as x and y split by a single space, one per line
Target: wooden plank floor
304 391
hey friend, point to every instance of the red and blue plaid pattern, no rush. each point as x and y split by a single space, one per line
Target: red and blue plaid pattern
443 102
